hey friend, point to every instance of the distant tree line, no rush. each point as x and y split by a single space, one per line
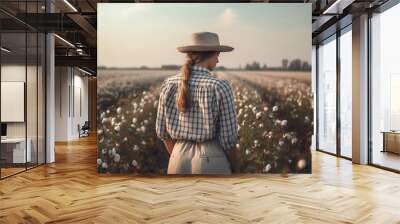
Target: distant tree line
294 65
170 67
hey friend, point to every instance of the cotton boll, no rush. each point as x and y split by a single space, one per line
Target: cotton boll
117 158
104 120
256 143
267 168
113 120
258 115
117 128
240 112
301 164
99 161
110 153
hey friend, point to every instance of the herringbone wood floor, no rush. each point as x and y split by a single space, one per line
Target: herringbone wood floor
71 191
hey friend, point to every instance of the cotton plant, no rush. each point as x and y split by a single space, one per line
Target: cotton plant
270 146
274 124
131 141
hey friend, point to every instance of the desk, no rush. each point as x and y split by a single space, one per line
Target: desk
13 150
391 141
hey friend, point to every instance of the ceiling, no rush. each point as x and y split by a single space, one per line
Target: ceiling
332 15
75 22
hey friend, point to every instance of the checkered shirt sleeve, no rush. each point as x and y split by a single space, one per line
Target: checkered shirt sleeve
228 128
161 125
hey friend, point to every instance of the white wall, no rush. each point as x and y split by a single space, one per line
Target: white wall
80 89
11 73
61 103
69 82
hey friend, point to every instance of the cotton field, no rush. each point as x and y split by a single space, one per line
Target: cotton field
274 112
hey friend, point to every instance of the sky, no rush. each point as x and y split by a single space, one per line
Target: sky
137 34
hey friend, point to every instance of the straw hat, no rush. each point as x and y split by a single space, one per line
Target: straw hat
204 41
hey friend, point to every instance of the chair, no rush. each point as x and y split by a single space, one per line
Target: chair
84 130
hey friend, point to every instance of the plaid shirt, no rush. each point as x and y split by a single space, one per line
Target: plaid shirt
212 114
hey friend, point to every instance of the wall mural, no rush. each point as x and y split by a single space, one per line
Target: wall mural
268 71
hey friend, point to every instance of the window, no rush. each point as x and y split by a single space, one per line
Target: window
327 95
346 92
385 89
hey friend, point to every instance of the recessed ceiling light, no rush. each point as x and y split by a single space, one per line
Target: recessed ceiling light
64 40
5 50
338 6
70 5
86 72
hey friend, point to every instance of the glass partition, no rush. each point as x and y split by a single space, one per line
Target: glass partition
327 95
13 94
22 77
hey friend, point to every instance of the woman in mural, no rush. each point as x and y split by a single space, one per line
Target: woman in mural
196 116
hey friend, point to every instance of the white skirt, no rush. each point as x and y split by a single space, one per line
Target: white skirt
190 157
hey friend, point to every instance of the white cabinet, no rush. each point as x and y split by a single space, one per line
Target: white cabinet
18 149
